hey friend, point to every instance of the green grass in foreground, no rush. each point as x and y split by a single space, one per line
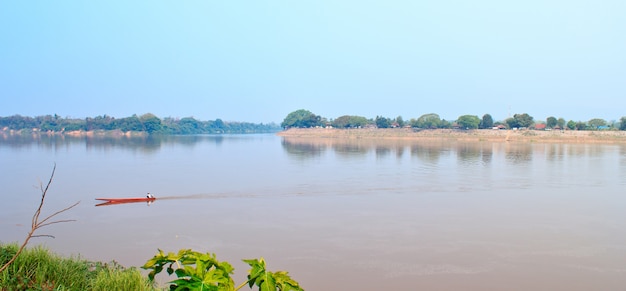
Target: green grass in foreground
39 269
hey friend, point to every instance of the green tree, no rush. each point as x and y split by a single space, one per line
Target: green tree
571 125
151 123
520 121
445 124
400 121
129 124
524 120
596 122
49 122
487 121
219 126
349 121
382 122
561 122
301 118
551 122
101 122
18 122
189 125
218 123
429 120
468 121
622 123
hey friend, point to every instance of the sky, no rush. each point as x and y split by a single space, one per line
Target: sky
257 61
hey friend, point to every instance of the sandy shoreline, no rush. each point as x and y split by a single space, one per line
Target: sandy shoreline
555 136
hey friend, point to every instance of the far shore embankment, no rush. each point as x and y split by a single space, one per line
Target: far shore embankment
537 136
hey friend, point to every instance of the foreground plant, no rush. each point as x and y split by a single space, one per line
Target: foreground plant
198 271
40 269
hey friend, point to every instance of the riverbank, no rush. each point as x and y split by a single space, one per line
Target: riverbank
553 136
75 133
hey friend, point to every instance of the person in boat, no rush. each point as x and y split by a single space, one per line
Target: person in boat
150 196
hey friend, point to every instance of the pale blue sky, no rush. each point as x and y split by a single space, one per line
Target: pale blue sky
257 61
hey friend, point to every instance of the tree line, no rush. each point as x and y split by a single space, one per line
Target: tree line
148 123
306 118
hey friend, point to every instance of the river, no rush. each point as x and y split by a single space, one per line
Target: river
338 215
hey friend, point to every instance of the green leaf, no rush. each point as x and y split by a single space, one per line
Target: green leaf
228 268
257 269
285 283
268 283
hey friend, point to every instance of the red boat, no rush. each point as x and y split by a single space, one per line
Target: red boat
126 200
109 201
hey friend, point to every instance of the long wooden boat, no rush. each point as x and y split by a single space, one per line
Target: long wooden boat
127 200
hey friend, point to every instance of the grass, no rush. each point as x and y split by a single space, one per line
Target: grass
39 269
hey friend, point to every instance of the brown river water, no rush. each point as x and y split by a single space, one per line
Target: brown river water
338 215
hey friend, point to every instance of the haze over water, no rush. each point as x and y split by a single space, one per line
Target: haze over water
338 215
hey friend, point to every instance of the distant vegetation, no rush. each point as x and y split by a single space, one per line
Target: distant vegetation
306 118
148 123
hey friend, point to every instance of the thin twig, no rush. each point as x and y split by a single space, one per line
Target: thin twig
36 224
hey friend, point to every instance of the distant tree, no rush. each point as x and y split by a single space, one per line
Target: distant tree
301 118
429 120
561 123
69 124
17 122
581 125
48 122
189 125
510 122
349 121
170 125
551 122
218 123
520 121
596 122
468 121
622 123
486 122
445 124
524 120
382 122
151 123
146 123
128 124
400 121
101 122
571 125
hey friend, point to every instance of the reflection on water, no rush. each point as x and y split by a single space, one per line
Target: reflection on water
376 215
145 144
430 151
303 150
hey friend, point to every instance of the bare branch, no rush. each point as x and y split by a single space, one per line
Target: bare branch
53 222
43 235
43 196
42 223
36 224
